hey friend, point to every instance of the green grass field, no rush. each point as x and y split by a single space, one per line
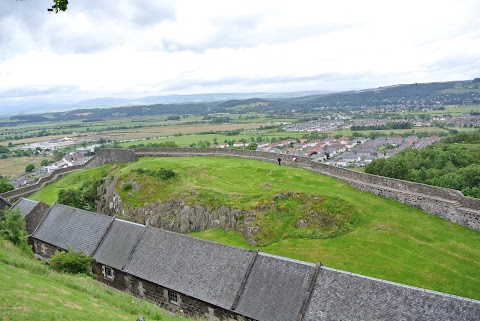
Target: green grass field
365 133
187 140
49 194
30 291
390 241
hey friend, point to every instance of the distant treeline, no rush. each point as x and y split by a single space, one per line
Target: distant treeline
238 102
409 97
447 163
389 125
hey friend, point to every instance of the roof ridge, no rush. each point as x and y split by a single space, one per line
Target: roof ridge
309 292
245 278
135 247
103 236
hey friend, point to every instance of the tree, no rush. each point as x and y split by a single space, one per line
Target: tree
12 228
5 185
59 5
44 162
252 146
58 155
29 168
70 197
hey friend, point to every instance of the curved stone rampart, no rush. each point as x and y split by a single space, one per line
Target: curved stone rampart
443 202
114 155
18 193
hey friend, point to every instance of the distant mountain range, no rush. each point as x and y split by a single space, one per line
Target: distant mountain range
105 102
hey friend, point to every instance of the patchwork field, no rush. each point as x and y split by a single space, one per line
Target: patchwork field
386 239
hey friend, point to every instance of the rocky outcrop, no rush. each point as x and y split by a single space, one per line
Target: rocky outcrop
175 215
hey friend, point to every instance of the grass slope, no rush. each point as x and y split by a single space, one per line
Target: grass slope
30 291
391 241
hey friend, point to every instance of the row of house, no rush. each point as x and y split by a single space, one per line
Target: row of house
200 278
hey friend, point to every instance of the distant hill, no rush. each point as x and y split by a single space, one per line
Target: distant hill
409 97
30 107
236 102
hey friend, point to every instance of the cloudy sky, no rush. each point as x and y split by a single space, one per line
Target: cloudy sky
134 48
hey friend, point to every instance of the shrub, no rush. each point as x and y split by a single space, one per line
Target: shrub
162 173
72 262
12 228
5 185
127 187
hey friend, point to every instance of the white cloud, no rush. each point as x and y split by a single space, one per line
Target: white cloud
130 48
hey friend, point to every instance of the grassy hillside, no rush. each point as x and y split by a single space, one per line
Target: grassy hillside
387 239
30 291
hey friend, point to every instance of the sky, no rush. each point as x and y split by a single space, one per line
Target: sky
135 48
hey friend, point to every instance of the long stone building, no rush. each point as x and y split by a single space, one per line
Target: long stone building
219 282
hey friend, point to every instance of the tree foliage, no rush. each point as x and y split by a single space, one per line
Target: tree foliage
84 197
447 164
59 5
73 262
29 168
12 228
5 185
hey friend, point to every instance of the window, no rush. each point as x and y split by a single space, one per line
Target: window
172 297
108 273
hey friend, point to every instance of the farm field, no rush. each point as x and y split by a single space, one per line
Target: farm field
389 240
452 110
31 291
365 133
187 140
14 167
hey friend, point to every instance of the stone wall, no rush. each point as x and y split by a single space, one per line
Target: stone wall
119 277
18 193
185 305
446 203
114 155
35 217
44 249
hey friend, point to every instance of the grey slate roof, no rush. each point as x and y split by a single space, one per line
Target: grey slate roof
118 244
208 271
275 289
25 206
339 295
65 225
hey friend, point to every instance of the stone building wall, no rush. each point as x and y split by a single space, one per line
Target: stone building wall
185 305
44 249
118 281
35 217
